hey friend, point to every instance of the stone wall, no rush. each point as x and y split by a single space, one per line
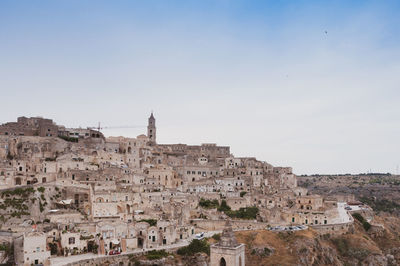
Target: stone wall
334 229
214 225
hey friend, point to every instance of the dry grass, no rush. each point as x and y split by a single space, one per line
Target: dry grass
282 254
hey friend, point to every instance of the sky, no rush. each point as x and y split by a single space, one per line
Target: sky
314 85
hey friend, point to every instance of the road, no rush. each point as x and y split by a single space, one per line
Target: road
344 216
60 261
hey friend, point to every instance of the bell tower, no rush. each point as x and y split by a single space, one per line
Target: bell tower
227 252
151 129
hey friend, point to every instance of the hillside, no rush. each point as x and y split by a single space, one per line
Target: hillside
375 247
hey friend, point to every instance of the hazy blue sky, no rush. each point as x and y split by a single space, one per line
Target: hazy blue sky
310 84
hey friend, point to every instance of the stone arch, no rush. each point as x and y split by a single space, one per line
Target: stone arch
222 262
119 209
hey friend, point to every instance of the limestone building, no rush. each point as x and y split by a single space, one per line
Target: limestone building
30 249
227 252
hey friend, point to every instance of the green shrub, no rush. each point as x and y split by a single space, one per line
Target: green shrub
151 222
358 217
22 192
41 189
381 205
224 207
216 237
362 220
194 247
92 247
366 225
208 204
156 254
68 139
249 213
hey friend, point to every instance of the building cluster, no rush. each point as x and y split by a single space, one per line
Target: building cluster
121 194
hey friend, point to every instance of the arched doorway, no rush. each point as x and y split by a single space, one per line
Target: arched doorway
44 180
222 262
140 242
18 181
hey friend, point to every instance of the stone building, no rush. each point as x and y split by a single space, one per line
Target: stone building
33 126
133 193
227 252
30 249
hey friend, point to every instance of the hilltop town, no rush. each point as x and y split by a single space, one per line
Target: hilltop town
70 195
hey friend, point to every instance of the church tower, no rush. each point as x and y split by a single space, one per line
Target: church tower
151 129
227 252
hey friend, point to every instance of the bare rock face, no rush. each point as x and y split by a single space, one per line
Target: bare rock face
373 260
262 250
315 252
199 259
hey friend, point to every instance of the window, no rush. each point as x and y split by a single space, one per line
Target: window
71 240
